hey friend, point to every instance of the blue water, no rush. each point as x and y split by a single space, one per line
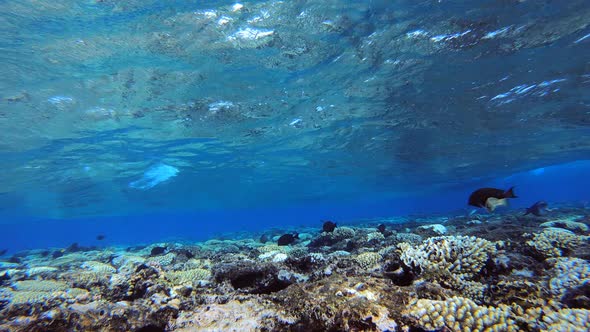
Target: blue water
150 120
557 184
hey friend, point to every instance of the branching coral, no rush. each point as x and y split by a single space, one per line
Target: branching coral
98 267
188 276
163 260
461 314
342 233
462 257
555 242
567 273
548 319
368 259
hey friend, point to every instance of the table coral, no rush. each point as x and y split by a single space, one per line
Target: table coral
98 267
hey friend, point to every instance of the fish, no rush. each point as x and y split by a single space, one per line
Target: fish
263 238
100 237
329 226
287 239
536 208
3 251
383 230
490 198
158 251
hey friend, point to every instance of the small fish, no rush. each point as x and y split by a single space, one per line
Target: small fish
490 198
3 251
100 237
287 239
329 226
383 230
536 208
263 238
158 251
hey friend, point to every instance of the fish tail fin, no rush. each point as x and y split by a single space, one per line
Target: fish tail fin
510 193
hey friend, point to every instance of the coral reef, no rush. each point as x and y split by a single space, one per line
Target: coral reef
508 277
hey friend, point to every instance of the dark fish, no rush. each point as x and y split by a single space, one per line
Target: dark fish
382 229
287 239
57 254
74 247
490 198
263 238
536 208
329 226
3 251
14 259
100 237
185 252
158 251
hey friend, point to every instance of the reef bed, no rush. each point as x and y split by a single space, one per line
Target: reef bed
501 272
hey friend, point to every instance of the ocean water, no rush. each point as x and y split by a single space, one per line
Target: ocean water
211 128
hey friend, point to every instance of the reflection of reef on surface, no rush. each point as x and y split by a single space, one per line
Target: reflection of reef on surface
486 273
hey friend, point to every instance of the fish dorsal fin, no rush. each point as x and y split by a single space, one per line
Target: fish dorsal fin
492 203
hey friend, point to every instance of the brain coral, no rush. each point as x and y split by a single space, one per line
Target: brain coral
461 314
461 256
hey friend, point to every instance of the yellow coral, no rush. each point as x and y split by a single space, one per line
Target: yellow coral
555 242
375 236
98 267
31 297
272 247
461 314
163 260
368 259
40 285
546 319
37 270
188 276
